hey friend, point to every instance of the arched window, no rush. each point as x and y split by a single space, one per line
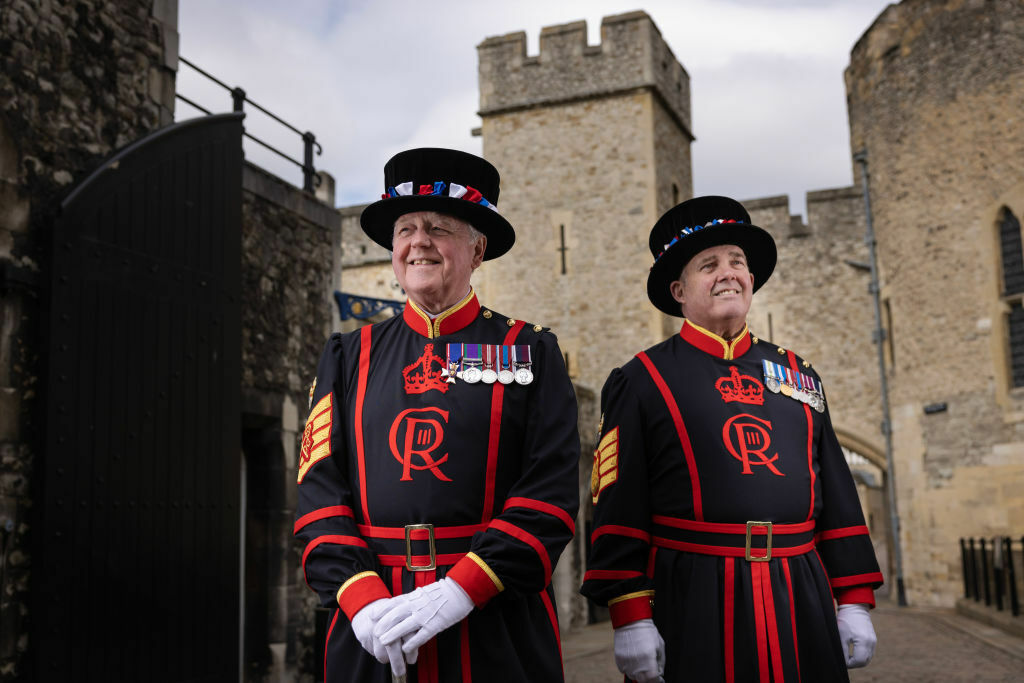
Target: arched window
1012 258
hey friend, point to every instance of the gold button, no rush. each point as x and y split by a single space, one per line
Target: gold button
511 322
806 364
782 351
537 328
487 314
753 339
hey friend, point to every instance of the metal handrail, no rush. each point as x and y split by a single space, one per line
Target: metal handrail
310 179
991 569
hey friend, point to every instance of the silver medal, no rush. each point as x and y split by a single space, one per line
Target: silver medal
505 376
524 376
471 375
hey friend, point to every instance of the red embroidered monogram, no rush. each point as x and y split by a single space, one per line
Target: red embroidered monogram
740 388
425 374
746 435
419 432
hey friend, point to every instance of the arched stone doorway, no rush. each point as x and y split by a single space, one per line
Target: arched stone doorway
868 467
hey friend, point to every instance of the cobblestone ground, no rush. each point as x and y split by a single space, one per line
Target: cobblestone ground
915 646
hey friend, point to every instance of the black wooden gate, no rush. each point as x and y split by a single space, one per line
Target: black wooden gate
137 570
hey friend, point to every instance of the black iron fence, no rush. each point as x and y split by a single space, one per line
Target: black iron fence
310 179
993 571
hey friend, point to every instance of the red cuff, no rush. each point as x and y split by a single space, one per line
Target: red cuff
359 591
628 609
855 594
476 578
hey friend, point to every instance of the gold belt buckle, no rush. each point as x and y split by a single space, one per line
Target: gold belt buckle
768 546
409 528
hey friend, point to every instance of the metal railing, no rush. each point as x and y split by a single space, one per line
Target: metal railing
990 571
310 179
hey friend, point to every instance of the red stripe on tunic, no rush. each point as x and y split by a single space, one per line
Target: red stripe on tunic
541 506
426 664
729 626
330 538
493 436
792 615
364 371
762 639
684 439
772 623
728 551
608 574
464 531
731 528
810 437
650 562
328 640
323 513
467 671
855 580
530 540
546 599
830 534
616 530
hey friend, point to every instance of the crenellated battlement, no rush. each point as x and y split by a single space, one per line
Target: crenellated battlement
632 54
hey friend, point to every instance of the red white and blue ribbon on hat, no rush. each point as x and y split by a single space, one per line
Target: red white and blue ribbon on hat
438 188
689 231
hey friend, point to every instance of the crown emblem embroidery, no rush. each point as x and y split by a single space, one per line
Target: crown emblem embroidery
740 388
425 373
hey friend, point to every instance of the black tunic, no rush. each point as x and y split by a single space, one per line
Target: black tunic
493 467
693 447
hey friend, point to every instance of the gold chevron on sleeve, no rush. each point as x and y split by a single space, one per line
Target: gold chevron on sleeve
316 437
606 463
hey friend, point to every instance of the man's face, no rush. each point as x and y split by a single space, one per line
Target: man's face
715 289
433 256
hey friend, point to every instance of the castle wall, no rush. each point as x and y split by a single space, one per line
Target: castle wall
76 82
935 91
589 141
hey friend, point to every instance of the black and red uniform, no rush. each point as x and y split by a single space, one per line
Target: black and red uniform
693 449
394 454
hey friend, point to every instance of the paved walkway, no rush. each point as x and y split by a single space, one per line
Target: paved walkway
915 646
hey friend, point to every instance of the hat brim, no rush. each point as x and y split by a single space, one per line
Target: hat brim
755 242
378 219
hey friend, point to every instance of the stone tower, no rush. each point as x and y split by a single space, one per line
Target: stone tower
593 145
935 91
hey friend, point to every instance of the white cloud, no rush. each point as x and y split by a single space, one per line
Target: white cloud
371 78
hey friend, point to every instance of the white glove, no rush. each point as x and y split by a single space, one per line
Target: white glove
856 634
640 651
362 626
416 617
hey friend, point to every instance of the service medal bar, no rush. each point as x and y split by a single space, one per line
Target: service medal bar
505 374
454 363
523 364
472 364
489 374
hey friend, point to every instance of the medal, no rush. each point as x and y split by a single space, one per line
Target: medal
523 363
771 376
489 376
505 375
451 370
471 372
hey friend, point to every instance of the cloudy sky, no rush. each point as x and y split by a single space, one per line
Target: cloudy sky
372 78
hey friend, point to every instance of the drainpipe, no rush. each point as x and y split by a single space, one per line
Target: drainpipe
878 336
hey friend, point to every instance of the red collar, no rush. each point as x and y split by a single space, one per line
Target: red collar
452 320
709 342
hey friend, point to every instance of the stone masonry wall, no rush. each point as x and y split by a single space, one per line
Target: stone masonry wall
77 81
594 167
935 91
632 54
